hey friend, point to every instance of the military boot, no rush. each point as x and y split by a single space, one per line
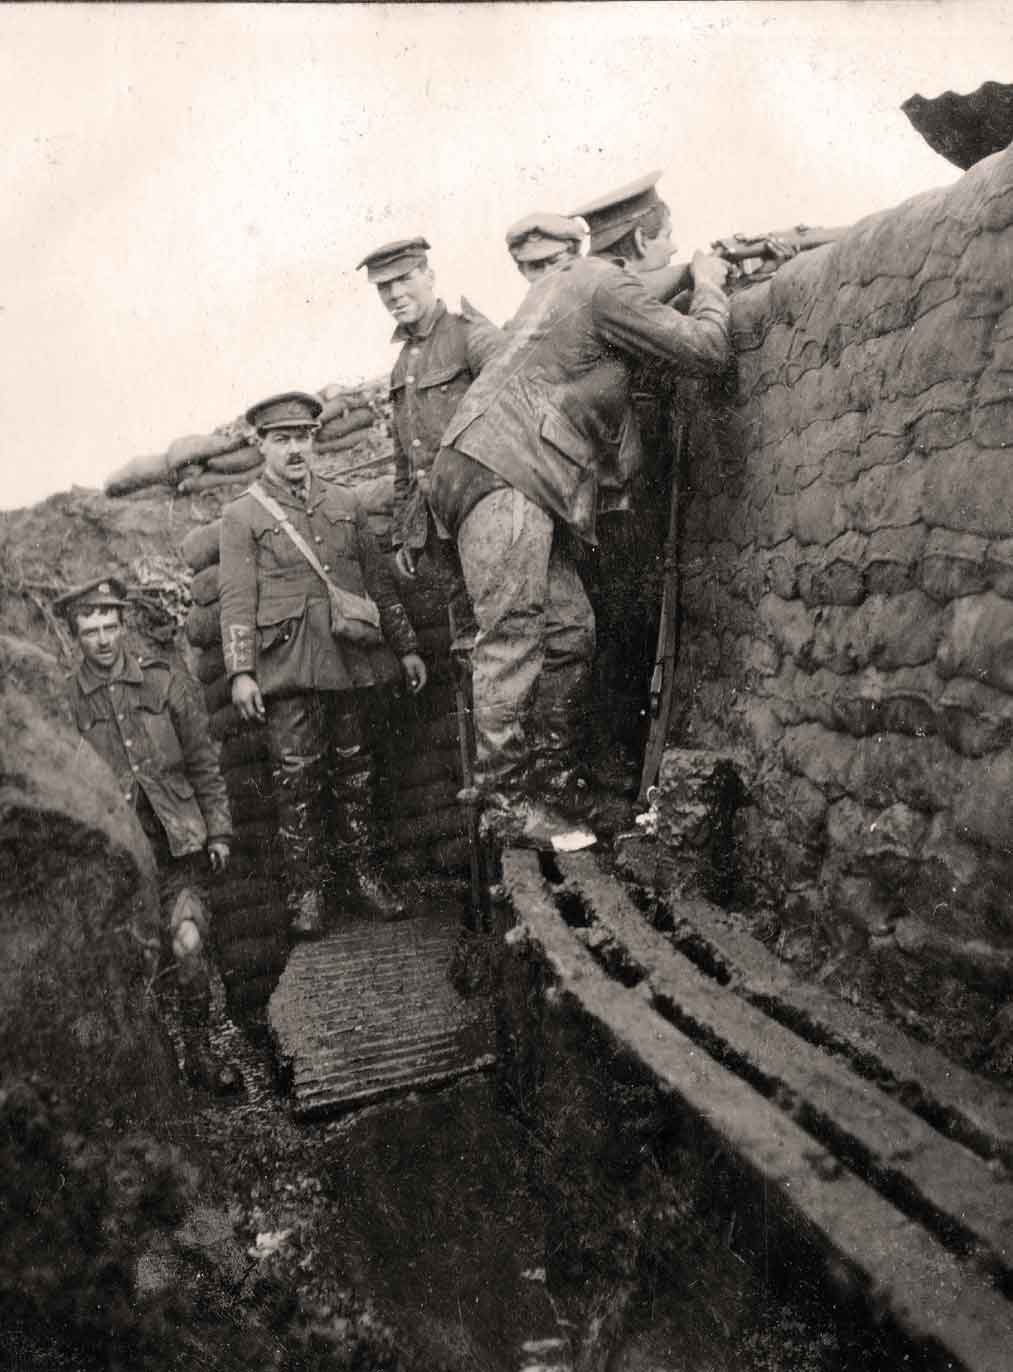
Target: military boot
357 884
203 1066
515 819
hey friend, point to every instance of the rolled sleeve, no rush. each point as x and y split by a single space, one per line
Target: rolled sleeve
380 584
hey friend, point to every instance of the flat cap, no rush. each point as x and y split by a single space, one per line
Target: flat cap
538 236
105 592
612 215
290 410
394 260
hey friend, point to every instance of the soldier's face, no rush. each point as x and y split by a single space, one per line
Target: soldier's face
100 634
534 271
287 452
409 298
657 252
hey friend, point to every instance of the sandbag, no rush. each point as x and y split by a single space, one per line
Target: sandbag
204 586
200 447
242 460
209 664
138 473
203 626
217 693
249 957
247 744
213 481
199 548
340 424
254 921
342 445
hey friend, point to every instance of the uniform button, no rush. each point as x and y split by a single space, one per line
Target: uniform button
416 442
409 379
327 566
134 767
317 538
414 350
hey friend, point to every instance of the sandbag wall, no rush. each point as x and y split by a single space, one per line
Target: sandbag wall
412 747
250 919
847 573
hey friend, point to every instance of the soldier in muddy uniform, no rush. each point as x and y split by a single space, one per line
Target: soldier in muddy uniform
543 431
147 721
308 609
441 354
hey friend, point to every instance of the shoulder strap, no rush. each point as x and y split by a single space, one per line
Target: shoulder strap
276 512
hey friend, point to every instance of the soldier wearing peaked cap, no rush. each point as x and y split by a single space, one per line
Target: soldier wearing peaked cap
542 433
541 242
308 609
441 354
146 720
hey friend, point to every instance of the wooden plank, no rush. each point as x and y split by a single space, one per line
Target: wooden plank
901 1269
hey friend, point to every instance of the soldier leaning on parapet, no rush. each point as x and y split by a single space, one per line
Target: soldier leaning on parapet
442 353
546 424
148 723
302 641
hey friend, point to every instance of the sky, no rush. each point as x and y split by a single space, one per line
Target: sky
188 188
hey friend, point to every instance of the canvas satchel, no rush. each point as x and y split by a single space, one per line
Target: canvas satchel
355 618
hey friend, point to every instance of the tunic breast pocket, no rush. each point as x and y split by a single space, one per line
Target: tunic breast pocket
340 535
276 549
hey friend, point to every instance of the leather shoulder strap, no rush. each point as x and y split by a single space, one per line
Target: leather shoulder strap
276 512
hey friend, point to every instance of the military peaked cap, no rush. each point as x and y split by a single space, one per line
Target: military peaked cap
394 260
104 593
290 410
538 236
614 214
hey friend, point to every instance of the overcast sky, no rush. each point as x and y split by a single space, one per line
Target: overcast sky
189 188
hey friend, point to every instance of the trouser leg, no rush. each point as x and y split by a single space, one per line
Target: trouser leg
446 563
186 922
505 545
357 886
297 734
559 725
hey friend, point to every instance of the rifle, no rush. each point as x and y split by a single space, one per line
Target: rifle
663 676
754 258
465 743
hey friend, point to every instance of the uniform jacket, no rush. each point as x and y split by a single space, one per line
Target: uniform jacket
430 376
550 413
147 721
275 614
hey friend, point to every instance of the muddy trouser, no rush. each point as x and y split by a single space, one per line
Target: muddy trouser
182 895
311 736
532 659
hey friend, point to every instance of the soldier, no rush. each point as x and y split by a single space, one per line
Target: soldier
302 644
540 243
147 721
441 355
543 429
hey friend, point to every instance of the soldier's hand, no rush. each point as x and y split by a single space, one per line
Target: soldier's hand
415 672
709 270
405 560
247 699
218 855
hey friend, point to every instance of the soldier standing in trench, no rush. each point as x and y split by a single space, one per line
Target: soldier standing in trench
441 355
544 428
147 721
299 672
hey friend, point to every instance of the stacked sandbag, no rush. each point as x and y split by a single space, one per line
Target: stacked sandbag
417 747
250 920
354 432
